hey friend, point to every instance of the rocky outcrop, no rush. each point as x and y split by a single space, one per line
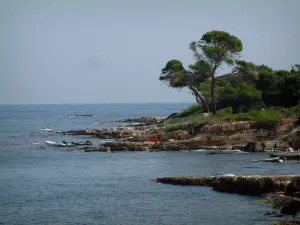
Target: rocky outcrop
234 135
249 185
262 146
126 146
143 120
170 145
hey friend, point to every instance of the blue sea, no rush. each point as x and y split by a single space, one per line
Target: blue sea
49 185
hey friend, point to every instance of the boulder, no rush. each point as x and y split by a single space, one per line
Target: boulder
293 186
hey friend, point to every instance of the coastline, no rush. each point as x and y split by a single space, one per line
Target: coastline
150 133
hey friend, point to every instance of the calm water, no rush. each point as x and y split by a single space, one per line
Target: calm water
41 185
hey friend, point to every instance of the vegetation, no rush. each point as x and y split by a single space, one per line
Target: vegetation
251 91
191 111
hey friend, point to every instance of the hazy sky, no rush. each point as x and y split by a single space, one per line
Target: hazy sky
94 51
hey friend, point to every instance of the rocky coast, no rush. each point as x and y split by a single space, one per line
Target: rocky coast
285 187
151 134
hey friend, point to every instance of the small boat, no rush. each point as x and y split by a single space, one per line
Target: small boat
82 143
286 155
47 129
59 144
80 115
274 159
214 152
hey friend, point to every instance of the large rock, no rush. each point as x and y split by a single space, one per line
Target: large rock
293 186
126 146
249 185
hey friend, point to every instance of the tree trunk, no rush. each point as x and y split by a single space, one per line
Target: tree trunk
199 98
212 94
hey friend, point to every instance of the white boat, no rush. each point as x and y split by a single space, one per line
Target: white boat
213 152
274 159
47 129
57 144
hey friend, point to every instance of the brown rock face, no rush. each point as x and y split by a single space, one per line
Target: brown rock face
227 127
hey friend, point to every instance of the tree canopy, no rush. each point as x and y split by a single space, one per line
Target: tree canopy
248 85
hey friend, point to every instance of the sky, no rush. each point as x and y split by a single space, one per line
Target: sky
112 51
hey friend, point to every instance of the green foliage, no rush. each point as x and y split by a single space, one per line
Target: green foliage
225 111
173 74
247 87
223 40
216 48
237 95
267 118
243 117
280 88
193 110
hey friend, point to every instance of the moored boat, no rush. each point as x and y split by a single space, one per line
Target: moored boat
286 155
214 152
59 144
273 159
82 143
47 129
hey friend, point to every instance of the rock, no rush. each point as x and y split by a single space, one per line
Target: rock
291 209
127 146
253 147
281 201
248 185
143 120
227 127
176 135
288 222
296 194
293 186
273 214
195 181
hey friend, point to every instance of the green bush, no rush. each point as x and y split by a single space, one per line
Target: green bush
225 111
267 118
243 117
193 110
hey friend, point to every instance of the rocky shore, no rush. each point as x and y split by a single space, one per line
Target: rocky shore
152 135
287 188
157 134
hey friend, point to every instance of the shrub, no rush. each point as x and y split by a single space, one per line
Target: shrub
224 111
243 117
267 118
195 109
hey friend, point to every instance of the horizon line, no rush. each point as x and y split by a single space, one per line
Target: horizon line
103 103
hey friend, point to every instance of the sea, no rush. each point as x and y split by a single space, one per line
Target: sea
42 184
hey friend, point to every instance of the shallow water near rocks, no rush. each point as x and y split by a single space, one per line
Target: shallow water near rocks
48 185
